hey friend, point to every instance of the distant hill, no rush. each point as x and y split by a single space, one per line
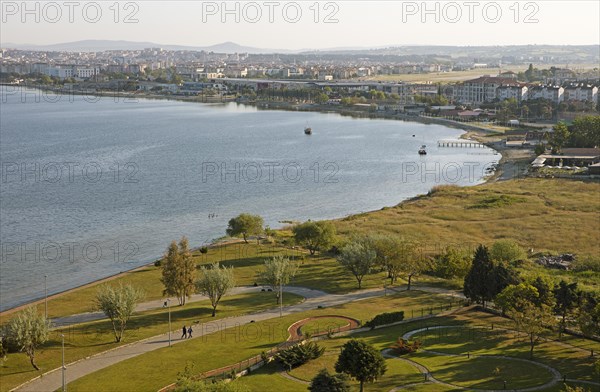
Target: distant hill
103 45
576 53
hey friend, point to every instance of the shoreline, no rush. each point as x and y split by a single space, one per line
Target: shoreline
472 132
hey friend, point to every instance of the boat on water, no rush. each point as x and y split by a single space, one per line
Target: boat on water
308 131
423 150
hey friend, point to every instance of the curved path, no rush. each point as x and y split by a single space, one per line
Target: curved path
556 376
430 379
296 333
51 381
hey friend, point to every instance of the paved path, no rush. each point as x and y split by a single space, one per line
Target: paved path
159 303
556 376
52 380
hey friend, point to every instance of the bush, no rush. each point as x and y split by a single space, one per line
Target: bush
300 354
158 263
204 250
327 382
385 318
442 189
586 264
403 346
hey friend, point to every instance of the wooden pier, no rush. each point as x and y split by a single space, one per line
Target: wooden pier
460 143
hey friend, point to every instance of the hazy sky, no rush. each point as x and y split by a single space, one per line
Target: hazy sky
298 25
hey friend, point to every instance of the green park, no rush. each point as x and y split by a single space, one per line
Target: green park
447 291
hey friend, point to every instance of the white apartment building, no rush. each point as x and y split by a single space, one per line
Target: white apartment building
482 89
514 91
551 93
581 92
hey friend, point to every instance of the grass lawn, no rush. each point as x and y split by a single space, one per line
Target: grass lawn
570 357
222 349
398 373
324 324
268 376
483 373
87 339
227 348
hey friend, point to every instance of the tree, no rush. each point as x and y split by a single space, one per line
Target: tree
414 264
396 255
245 225
278 272
179 271
485 279
361 361
544 288
358 258
215 282
118 304
327 382
585 132
589 314
559 137
567 297
321 98
502 276
506 251
453 263
314 235
28 330
533 321
513 297
477 279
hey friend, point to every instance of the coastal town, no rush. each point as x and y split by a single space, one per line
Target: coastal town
336 196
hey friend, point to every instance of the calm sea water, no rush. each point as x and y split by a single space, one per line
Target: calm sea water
90 189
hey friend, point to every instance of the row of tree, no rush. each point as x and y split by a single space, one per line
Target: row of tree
29 329
583 133
364 254
534 304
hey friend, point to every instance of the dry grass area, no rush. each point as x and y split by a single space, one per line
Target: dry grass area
459 76
543 214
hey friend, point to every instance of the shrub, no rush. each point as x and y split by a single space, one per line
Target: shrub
300 354
385 318
442 189
403 346
204 250
264 356
158 263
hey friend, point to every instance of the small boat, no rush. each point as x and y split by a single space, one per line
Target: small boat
423 150
308 131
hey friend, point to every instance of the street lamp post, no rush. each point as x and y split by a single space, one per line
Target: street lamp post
64 369
280 299
46 296
168 303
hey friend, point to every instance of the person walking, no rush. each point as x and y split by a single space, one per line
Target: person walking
184 335
189 331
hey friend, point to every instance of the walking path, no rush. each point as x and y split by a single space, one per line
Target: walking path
430 379
159 303
52 380
556 376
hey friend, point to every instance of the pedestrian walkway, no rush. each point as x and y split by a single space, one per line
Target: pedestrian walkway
52 380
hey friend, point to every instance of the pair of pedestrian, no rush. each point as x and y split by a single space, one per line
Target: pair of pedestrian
187 332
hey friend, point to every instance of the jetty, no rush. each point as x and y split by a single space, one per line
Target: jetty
460 143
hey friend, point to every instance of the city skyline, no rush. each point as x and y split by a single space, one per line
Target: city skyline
303 25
